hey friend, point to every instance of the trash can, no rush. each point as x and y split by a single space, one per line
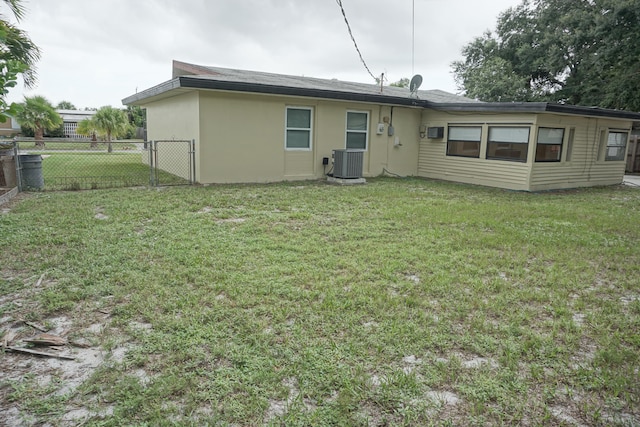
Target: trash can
31 171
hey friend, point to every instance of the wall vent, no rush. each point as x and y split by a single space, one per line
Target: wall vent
347 164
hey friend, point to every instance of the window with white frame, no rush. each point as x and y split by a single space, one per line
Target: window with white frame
616 145
298 128
508 143
464 141
549 144
357 130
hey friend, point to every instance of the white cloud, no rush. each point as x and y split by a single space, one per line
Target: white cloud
95 53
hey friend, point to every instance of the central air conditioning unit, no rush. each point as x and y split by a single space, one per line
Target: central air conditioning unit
347 164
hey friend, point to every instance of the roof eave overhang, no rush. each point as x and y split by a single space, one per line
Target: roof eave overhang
196 83
154 92
186 82
535 107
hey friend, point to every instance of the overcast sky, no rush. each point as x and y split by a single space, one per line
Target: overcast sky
97 52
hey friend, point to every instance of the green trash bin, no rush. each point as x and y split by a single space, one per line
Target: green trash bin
31 171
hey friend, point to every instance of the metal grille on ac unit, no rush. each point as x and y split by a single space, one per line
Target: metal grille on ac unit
347 164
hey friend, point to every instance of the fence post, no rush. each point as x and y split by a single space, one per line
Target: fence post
193 161
16 152
151 168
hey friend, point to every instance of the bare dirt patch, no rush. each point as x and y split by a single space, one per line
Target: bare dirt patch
443 397
60 377
278 408
70 354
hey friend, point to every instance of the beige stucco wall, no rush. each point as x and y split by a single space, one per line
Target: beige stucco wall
586 166
174 118
241 137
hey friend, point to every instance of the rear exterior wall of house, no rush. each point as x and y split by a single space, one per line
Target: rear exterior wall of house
520 151
265 138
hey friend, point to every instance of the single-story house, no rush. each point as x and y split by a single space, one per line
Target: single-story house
261 127
70 120
9 128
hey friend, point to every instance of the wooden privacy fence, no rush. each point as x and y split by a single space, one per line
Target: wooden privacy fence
633 155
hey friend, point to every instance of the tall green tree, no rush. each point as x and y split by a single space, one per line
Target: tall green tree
38 115
137 119
403 82
9 71
18 55
113 122
65 105
582 52
15 44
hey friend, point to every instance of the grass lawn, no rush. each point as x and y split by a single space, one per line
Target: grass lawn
81 171
400 302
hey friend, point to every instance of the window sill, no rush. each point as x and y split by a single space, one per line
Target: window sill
463 156
507 159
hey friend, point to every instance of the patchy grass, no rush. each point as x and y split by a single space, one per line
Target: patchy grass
401 302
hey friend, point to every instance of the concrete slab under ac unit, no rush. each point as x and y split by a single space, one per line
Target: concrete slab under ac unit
346 181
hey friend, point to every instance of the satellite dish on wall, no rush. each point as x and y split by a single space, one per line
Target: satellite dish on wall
416 81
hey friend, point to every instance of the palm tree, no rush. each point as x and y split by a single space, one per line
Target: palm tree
112 122
16 8
38 115
15 44
88 127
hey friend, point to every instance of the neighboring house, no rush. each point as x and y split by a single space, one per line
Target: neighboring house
9 128
261 127
71 118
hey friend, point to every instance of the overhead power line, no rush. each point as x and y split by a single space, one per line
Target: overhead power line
354 39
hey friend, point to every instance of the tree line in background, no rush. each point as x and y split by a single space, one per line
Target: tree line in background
581 52
38 118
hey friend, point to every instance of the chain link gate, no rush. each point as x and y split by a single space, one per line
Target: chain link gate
65 164
172 162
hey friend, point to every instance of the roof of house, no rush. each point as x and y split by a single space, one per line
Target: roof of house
75 115
187 77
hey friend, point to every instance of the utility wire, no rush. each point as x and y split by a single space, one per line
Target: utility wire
354 39
413 37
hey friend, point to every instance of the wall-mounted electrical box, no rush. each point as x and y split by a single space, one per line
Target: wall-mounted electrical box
435 132
380 129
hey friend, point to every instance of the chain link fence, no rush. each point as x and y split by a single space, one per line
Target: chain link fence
63 164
